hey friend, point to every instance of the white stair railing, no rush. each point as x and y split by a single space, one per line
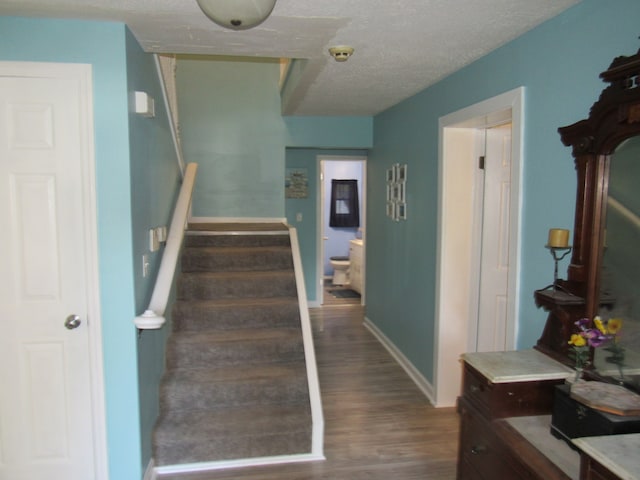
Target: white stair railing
153 317
168 87
317 417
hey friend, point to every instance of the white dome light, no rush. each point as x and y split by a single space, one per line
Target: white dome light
237 14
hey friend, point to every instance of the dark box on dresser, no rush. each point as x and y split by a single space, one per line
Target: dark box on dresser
572 419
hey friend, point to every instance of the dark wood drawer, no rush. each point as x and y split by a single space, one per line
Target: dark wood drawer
481 453
466 471
513 399
592 470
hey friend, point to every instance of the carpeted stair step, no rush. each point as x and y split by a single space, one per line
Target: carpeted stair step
217 259
206 436
228 314
234 347
199 239
219 285
207 388
235 384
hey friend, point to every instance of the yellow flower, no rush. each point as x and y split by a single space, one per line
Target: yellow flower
597 321
614 325
577 340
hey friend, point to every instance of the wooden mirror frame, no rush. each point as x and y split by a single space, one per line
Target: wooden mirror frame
614 118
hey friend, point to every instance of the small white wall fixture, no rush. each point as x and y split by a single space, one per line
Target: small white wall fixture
454 289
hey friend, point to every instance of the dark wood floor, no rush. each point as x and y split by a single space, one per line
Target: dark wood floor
378 425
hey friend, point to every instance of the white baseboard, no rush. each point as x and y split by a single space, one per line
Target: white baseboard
150 473
314 304
243 462
236 220
421 382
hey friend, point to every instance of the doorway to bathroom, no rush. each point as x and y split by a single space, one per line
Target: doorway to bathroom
341 235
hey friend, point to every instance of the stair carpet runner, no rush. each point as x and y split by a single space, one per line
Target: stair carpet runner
235 385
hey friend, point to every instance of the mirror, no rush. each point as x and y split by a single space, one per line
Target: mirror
606 233
620 272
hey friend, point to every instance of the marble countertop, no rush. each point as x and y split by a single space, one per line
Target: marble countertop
536 430
619 453
517 366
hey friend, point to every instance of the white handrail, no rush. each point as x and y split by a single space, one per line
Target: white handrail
171 114
153 317
317 417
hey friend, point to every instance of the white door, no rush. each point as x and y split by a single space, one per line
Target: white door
494 268
49 408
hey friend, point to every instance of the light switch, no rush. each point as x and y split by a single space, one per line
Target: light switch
298 217
161 234
154 244
145 265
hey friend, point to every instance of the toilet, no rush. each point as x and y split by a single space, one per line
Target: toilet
340 270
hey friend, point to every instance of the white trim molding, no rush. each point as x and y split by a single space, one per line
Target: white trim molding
415 375
455 307
239 463
317 417
150 472
236 220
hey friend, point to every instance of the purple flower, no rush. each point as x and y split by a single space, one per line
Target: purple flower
594 337
582 323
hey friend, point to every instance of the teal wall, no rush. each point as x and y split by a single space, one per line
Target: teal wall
231 125
558 63
124 149
329 132
307 229
155 181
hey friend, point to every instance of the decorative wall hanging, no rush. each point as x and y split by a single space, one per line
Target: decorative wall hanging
296 183
396 192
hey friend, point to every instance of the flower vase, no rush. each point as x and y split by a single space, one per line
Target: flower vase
577 377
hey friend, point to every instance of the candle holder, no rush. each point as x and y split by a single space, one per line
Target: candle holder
558 253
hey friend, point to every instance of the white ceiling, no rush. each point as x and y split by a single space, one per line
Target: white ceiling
401 46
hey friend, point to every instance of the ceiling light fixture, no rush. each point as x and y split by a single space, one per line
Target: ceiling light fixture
341 53
237 14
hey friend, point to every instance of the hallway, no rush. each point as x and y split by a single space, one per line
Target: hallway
378 425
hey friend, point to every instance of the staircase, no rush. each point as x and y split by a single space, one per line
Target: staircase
235 385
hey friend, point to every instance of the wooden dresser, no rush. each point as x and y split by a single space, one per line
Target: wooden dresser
504 408
609 458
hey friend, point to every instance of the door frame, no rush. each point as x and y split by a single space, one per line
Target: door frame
82 74
456 271
320 215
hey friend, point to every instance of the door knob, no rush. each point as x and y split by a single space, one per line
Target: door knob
72 321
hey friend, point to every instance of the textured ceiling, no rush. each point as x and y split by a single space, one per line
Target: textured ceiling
401 46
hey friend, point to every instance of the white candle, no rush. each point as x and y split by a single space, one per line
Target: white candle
558 238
